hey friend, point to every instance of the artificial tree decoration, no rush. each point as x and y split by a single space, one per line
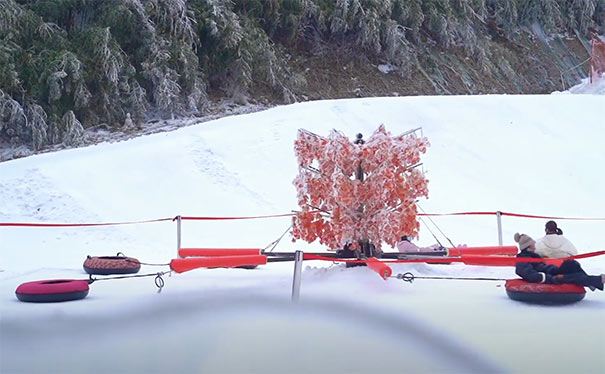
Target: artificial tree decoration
361 193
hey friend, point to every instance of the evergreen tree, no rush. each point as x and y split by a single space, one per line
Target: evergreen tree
67 65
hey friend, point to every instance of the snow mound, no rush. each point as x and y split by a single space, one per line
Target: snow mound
587 88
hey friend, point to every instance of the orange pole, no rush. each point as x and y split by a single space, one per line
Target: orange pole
503 260
380 267
482 260
484 251
189 252
181 265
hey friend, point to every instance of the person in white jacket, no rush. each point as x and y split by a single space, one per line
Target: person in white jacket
406 245
554 244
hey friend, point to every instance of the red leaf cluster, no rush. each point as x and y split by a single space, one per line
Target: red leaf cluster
350 192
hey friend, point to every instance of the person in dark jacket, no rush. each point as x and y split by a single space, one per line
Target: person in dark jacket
570 271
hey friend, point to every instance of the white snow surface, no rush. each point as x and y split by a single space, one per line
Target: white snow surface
586 87
540 155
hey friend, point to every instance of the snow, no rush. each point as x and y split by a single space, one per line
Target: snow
538 155
587 87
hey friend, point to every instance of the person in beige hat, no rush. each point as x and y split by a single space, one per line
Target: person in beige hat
570 271
525 241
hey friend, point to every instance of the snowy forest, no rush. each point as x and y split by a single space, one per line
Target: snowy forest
69 65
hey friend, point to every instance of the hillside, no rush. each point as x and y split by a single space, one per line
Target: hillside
73 69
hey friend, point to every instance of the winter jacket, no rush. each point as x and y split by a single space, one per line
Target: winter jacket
405 246
535 272
555 246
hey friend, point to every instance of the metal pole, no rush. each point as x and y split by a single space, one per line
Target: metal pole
178 235
499 218
298 262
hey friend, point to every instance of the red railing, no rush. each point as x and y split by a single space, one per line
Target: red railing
215 218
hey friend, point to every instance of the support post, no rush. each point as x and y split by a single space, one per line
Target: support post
178 235
298 262
499 218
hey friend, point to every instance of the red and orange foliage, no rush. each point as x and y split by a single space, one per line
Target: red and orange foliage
338 207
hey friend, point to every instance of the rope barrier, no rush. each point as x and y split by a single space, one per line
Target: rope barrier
24 224
511 215
458 214
477 213
410 277
474 259
159 281
133 261
237 218
552 217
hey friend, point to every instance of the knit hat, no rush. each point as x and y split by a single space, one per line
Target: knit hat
524 240
551 226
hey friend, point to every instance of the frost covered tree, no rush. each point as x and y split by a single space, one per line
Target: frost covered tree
161 58
352 193
73 132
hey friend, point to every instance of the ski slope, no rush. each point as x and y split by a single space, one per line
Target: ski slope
539 155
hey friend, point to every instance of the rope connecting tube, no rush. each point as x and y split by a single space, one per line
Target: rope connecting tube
159 281
406 277
409 277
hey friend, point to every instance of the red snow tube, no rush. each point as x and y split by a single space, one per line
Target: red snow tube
52 291
543 293
107 265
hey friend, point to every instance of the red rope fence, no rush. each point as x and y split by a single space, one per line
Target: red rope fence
41 224
511 215
24 224
235 218
466 259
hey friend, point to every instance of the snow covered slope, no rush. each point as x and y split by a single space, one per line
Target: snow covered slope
538 155
589 88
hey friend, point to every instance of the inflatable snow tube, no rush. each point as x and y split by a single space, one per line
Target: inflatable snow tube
107 265
542 293
52 291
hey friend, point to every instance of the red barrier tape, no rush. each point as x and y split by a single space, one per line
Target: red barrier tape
585 255
234 218
467 259
512 261
20 224
548 217
458 214
25 224
511 215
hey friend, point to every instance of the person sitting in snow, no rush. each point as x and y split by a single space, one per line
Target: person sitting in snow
570 271
406 245
365 250
554 244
